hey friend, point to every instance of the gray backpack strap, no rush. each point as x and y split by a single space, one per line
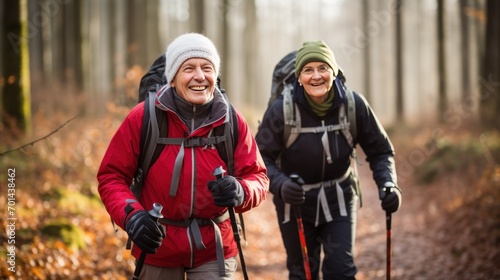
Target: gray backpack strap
346 126
294 127
351 114
350 130
351 135
288 115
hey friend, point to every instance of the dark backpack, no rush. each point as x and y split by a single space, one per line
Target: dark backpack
154 133
282 88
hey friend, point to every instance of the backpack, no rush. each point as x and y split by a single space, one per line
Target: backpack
154 133
282 88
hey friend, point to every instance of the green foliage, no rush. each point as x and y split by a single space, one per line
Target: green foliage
452 157
71 202
62 229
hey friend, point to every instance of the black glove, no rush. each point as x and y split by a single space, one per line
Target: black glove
292 193
144 232
390 201
227 192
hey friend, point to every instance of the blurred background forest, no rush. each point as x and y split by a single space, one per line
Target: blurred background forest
70 71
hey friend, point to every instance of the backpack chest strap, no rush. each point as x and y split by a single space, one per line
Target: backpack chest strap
342 126
320 129
185 143
324 129
193 142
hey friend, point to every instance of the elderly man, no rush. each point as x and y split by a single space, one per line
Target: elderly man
195 235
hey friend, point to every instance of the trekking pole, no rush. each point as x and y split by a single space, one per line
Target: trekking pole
388 221
305 258
154 214
219 173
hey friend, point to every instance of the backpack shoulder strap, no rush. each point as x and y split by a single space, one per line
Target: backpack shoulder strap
230 129
351 113
154 126
288 115
348 118
353 131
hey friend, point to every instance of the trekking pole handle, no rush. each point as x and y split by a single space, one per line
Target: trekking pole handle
219 173
388 189
296 179
155 215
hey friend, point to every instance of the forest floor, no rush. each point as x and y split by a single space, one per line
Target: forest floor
447 228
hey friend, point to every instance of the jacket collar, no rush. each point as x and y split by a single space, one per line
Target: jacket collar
220 105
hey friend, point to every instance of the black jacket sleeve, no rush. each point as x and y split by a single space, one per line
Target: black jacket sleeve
270 141
375 143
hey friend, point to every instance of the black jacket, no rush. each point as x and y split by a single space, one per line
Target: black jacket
306 156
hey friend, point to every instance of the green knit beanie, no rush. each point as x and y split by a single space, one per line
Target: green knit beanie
317 51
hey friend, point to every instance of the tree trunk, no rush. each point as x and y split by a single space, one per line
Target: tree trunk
119 49
137 33
442 95
97 52
153 47
197 15
465 49
16 110
490 88
365 15
250 55
225 51
72 66
399 62
36 46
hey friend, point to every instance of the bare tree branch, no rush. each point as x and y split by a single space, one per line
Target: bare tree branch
39 139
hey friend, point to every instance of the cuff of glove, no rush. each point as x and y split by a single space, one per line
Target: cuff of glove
132 207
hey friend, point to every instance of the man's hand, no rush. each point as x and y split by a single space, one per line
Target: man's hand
144 232
227 192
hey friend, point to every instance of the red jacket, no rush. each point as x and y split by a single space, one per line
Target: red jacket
193 199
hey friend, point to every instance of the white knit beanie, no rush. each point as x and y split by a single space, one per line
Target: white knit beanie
187 46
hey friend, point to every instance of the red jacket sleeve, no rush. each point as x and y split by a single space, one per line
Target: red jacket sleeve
249 168
119 165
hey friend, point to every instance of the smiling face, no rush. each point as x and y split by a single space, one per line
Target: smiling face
195 80
317 79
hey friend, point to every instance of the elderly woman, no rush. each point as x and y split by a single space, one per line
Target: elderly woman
194 237
325 190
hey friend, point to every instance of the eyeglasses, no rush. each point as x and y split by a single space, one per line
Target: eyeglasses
309 71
